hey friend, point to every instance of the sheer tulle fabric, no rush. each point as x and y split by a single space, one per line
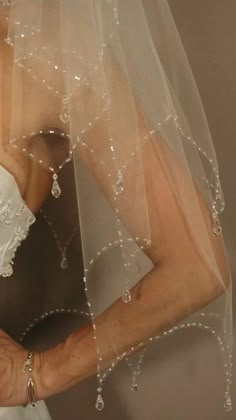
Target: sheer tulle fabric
92 83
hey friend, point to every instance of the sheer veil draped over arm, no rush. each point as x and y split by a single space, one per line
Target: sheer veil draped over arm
105 86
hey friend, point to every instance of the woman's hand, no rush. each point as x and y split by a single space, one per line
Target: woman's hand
13 382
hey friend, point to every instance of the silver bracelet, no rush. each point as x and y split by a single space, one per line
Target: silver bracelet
28 368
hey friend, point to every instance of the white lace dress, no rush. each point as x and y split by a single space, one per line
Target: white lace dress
15 221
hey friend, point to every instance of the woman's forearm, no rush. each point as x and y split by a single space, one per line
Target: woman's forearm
179 284
165 296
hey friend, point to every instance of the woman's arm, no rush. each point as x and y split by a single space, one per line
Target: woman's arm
157 301
179 284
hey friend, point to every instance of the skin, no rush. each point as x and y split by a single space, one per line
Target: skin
180 282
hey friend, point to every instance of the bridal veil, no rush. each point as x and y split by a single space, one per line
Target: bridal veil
85 73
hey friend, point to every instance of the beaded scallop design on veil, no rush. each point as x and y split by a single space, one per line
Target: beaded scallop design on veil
183 134
15 220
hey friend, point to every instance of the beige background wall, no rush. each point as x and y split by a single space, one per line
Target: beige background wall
182 389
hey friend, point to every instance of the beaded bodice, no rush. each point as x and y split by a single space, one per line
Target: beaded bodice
15 221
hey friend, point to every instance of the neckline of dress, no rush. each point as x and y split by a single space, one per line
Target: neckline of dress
13 181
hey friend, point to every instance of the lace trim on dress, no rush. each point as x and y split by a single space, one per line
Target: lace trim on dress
15 221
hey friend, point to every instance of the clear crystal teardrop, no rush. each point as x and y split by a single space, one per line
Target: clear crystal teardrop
99 403
228 400
64 263
126 296
134 386
64 115
56 190
228 403
216 226
118 187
